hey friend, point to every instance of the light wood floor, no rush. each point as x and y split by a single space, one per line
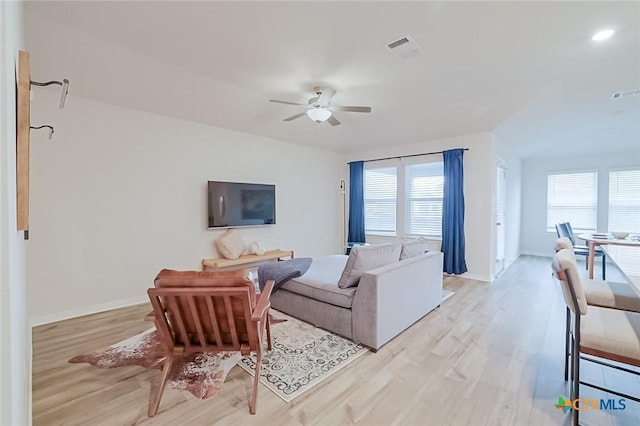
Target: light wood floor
490 355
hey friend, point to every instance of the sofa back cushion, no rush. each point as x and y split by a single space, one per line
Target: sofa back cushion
414 247
365 258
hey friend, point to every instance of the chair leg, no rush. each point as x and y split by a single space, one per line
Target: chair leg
155 401
567 341
604 264
256 380
576 377
269 347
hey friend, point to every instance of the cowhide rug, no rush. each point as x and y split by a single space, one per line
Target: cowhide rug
202 374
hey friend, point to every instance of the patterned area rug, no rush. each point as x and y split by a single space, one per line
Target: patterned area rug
302 357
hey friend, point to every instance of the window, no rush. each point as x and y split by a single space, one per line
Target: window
572 197
624 201
404 200
424 193
380 190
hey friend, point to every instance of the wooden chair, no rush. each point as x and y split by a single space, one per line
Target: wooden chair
600 293
604 333
565 230
209 311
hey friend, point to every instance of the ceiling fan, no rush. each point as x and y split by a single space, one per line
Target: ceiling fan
319 108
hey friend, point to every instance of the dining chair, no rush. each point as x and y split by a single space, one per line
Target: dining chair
613 295
209 311
601 333
564 230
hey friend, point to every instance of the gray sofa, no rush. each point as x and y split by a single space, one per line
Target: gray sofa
385 301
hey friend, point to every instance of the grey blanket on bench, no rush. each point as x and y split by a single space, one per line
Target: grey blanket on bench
283 271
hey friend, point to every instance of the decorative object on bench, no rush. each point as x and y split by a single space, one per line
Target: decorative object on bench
230 244
312 355
386 298
200 312
257 247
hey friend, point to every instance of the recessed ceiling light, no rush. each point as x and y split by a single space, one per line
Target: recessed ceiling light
602 35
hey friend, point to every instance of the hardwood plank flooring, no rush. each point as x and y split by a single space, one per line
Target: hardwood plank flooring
490 355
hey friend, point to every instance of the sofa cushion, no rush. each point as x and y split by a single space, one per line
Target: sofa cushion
320 282
414 248
365 258
230 245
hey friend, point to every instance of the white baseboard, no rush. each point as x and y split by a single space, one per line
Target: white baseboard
536 253
471 277
88 310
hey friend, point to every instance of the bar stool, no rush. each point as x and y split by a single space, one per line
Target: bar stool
607 334
605 294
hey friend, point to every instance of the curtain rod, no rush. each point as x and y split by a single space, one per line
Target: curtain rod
404 156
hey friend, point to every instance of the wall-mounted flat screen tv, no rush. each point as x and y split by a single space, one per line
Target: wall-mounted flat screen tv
231 204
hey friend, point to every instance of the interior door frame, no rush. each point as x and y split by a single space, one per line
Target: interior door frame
500 222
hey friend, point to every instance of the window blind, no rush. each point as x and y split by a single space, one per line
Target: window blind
380 193
624 201
424 193
572 197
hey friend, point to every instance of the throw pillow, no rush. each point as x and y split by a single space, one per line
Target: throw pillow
414 248
230 245
365 258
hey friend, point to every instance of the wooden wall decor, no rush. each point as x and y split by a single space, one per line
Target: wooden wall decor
22 141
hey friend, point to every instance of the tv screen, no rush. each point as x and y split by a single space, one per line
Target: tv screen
231 204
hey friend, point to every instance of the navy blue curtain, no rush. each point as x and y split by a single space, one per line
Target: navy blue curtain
356 202
453 213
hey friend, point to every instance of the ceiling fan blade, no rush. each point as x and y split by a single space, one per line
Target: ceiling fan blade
293 117
333 121
285 102
352 108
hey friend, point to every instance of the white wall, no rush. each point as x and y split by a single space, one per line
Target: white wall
478 190
15 372
507 156
119 194
535 238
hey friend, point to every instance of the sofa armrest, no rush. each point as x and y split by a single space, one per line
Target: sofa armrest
391 298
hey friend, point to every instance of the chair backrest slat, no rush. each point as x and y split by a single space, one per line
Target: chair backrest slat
196 320
214 320
177 316
232 321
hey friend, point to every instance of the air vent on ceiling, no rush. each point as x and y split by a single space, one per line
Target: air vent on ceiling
405 47
628 93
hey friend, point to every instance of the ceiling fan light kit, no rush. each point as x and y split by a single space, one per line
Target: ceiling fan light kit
320 108
318 114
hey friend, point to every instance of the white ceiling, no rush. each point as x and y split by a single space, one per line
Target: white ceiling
528 71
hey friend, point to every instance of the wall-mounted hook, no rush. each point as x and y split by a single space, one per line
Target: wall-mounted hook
65 88
42 127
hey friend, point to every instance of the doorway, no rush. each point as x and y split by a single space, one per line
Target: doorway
499 213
